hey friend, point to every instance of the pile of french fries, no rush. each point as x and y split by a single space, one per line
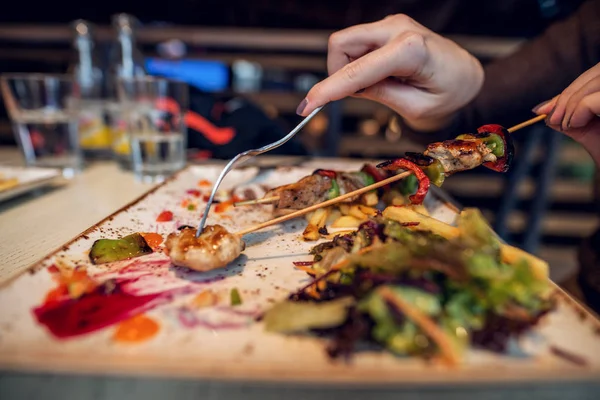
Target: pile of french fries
351 215
348 215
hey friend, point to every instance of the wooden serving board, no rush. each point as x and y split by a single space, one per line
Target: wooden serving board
224 342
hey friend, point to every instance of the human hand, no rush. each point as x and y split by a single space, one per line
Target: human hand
576 111
397 62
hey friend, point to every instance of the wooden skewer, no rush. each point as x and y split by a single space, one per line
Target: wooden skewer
527 123
257 201
274 199
327 203
356 192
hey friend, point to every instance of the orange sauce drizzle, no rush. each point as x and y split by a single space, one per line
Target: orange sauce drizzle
136 329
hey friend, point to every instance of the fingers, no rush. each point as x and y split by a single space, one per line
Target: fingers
576 100
545 107
585 111
404 56
559 110
353 43
408 101
584 125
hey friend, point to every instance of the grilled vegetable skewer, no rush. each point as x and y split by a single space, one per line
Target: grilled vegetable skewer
491 147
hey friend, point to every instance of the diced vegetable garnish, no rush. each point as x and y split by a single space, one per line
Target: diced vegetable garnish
235 297
164 216
111 250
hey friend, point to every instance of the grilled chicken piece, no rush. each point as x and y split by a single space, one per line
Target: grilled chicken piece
460 155
214 248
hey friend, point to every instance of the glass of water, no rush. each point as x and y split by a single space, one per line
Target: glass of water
154 111
44 112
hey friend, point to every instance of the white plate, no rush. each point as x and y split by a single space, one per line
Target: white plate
29 179
224 342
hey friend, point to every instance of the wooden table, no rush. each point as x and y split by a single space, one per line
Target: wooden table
33 225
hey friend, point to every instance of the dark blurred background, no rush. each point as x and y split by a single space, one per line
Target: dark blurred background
268 53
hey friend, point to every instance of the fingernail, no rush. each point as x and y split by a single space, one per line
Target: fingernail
359 91
302 107
542 104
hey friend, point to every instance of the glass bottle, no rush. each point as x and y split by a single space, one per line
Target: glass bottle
95 137
127 62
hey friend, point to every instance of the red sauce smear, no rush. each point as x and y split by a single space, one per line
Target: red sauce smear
194 192
204 182
164 216
98 309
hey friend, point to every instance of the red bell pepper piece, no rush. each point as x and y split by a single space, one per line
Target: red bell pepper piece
371 170
503 163
326 172
403 163
376 174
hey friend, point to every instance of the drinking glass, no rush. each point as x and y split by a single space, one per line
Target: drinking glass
95 135
154 110
44 113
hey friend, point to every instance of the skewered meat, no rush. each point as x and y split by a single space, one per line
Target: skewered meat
214 248
460 155
318 187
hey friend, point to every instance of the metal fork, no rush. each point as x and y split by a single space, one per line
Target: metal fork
245 156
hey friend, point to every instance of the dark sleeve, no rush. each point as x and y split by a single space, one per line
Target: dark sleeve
538 71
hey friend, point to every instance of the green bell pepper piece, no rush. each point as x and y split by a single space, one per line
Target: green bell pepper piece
111 250
436 173
334 191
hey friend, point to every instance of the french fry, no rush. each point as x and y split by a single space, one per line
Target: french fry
509 254
425 223
333 216
311 233
347 221
420 208
316 221
344 209
319 217
357 213
398 201
370 199
309 216
370 211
